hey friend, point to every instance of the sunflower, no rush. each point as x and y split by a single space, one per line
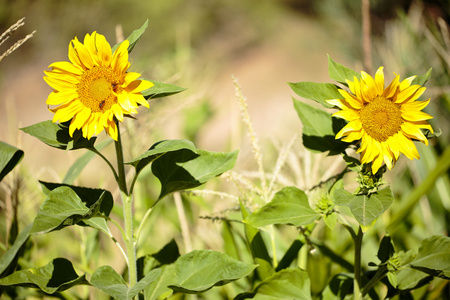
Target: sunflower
94 90
384 120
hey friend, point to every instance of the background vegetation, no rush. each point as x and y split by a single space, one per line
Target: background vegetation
198 45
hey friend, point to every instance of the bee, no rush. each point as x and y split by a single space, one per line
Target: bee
101 104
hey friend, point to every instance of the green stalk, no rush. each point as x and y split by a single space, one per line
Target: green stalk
127 203
357 267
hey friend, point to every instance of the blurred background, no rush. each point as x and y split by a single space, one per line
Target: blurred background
199 45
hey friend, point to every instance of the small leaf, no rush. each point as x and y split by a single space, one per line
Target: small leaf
433 257
319 92
286 284
422 79
184 169
386 249
331 220
57 136
161 89
134 37
58 275
339 287
200 270
87 195
340 73
352 163
319 129
288 206
408 278
290 255
108 280
63 207
8 260
9 158
365 209
257 247
158 150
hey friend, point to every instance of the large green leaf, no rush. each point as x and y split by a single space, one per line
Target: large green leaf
158 289
185 169
161 89
134 37
9 259
319 129
9 157
288 206
108 280
58 275
63 207
57 135
158 150
340 73
434 257
319 92
366 209
285 284
200 270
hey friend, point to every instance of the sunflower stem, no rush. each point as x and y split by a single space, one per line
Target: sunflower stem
357 267
127 203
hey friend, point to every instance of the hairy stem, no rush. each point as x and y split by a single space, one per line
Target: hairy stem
127 203
357 267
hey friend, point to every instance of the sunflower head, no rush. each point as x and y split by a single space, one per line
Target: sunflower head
385 121
94 90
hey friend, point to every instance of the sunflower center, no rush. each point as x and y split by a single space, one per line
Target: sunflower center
98 88
381 118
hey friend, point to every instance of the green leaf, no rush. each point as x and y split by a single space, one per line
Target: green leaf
8 260
63 207
78 166
88 196
161 89
58 275
340 73
158 150
185 169
319 129
422 79
158 289
339 287
386 249
164 260
433 257
200 270
365 209
408 278
288 206
57 136
290 255
9 157
286 284
257 247
319 92
108 280
134 37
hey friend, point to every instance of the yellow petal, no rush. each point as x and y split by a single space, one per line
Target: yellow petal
59 85
104 50
119 61
416 105
66 66
379 81
390 91
352 100
83 54
405 94
347 114
411 115
57 98
406 83
414 132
